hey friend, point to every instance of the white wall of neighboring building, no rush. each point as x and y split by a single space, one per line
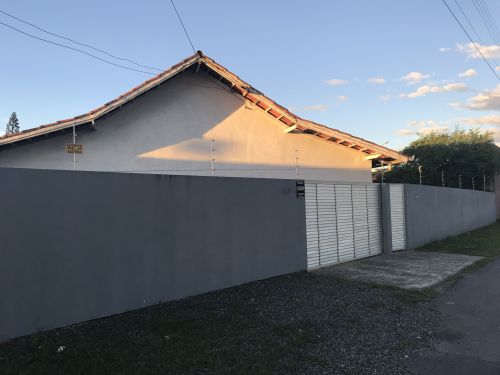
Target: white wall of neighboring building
169 131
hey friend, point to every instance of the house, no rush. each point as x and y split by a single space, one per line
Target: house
197 118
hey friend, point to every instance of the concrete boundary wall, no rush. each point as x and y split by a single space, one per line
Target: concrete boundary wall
81 245
497 194
435 213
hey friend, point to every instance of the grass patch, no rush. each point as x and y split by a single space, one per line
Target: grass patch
192 336
483 242
293 324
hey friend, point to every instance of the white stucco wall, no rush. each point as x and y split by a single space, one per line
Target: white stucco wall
169 130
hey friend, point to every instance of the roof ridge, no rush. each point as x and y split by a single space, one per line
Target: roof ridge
278 111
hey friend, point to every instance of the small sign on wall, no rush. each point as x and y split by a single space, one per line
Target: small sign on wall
74 148
300 188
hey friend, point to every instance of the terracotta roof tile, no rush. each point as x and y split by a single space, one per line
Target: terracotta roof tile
237 84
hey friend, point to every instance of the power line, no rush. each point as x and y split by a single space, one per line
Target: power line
475 45
76 50
79 43
182 24
472 26
492 20
486 21
492 23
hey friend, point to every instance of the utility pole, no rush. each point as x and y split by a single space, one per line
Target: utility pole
473 185
460 181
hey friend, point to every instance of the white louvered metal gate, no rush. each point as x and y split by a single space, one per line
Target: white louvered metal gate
398 219
343 222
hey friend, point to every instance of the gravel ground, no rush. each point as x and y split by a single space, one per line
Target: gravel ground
303 323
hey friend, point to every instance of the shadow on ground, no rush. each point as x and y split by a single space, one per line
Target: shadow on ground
303 323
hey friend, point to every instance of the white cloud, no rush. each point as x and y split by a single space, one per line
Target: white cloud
342 98
312 107
377 80
497 68
435 89
437 129
471 51
444 49
423 127
336 82
413 78
385 98
485 101
405 132
484 120
468 73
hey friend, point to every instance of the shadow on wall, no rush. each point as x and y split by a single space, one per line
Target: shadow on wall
170 129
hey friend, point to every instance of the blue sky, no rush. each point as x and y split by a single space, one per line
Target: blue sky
345 64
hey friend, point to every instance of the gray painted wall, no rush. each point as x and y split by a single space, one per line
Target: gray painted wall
497 194
82 245
434 213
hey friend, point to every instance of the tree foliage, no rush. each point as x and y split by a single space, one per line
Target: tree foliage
13 124
470 154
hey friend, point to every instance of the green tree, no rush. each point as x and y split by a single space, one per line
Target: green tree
469 154
13 124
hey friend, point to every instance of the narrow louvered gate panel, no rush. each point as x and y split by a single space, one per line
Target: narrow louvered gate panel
343 223
374 219
360 216
312 226
327 223
398 222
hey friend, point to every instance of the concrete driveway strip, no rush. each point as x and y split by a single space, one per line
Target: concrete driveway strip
405 269
469 334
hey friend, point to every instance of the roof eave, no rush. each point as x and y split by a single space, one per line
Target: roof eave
283 115
99 112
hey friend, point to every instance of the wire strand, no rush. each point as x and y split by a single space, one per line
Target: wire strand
472 27
486 21
466 33
184 27
79 43
75 49
492 20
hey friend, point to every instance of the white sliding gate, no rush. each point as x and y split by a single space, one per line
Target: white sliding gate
343 222
398 219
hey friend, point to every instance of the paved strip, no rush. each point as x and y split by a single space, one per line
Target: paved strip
469 333
405 269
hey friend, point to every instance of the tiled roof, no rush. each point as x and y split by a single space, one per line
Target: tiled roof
295 123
